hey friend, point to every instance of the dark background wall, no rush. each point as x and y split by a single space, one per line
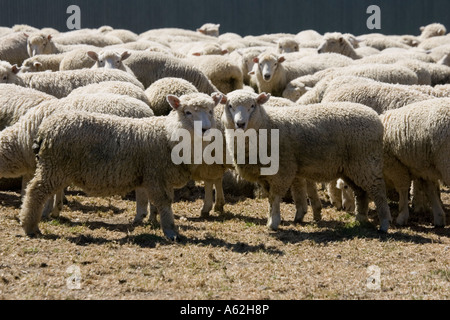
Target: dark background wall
246 17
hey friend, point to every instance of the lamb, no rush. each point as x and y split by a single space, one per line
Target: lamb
150 67
157 93
42 62
337 43
15 101
224 74
39 44
110 60
16 156
349 134
295 89
245 59
13 48
114 87
417 145
379 96
137 151
210 29
60 84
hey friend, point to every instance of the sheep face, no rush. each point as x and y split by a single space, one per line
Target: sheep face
241 109
7 72
196 108
210 29
348 197
267 65
332 43
287 46
109 59
31 66
39 44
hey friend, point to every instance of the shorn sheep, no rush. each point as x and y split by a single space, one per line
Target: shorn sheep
417 146
106 155
321 142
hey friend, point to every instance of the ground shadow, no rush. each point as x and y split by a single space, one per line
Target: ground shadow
9 200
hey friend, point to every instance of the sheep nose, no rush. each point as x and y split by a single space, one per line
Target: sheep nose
319 51
266 76
240 125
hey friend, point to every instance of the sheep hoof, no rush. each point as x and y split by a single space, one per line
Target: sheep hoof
299 217
218 208
33 234
401 221
273 224
362 217
171 235
204 214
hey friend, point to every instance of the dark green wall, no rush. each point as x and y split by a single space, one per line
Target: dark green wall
246 17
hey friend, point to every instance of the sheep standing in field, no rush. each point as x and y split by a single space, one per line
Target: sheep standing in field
349 134
110 60
133 155
417 145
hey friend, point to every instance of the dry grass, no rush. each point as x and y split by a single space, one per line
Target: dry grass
229 257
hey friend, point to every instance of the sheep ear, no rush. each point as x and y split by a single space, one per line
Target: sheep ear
422 28
174 102
224 51
197 54
217 97
341 39
15 69
218 26
263 98
93 55
281 59
49 37
256 60
441 31
125 55
37 64
251 73
201 31
26 35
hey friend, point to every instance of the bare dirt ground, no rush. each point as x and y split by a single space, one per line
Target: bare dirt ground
93 252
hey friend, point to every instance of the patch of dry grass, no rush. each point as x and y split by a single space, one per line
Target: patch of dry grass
228 257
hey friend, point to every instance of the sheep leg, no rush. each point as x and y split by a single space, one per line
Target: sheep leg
58 204
274 211
377 190
39 190
361 200
141 205
335 194
208 201
419 200
25 180
220 196
299 195
315 200
163 199
403 209
433 195
153 215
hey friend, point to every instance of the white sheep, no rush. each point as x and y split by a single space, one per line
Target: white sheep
61 83
210 29
114 87
86 37
13 48
417 145
337 43
377 95
40 43
109 59
320 143
287 45
341 195
157 93
134 155
222 71
42 62
432 30
151 66
77 59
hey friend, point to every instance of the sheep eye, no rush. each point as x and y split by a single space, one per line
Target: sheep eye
188 113
230 106
5 78
345 187
253 106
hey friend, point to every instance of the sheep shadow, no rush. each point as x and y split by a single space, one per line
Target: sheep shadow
9 200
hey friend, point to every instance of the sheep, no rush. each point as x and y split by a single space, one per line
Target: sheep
417 145
341 195
393 57
337 43
61 83
383 42
320 143
110 60
77 59
86 38
224 74
150 67
39 43
432 30
295 89
210 29
16 156
42 62
377 95
438 91
159 90
434 42
15 101
245 59
201 49
134 156
287 45
379 72
14 48
124 35
10 74
114 87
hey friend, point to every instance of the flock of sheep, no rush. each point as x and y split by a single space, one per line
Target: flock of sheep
98 108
